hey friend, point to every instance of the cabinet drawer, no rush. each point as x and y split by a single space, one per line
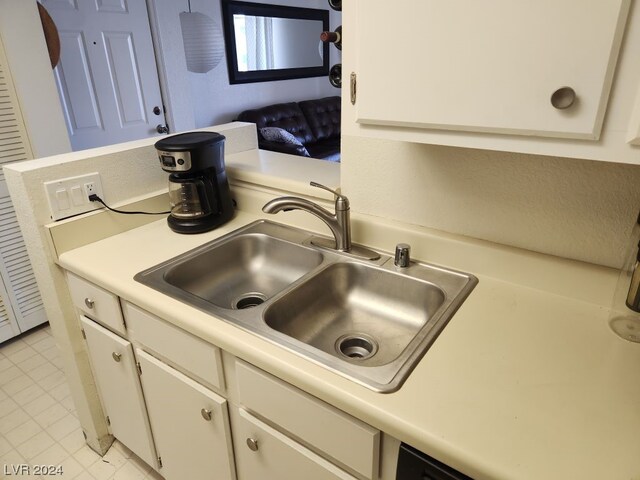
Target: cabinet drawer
343 438
96 303
274 456
187 353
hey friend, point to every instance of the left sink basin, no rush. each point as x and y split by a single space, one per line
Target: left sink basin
237 272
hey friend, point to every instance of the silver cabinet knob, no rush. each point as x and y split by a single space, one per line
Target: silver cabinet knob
563 98
252 443
116 356
206 414
89 303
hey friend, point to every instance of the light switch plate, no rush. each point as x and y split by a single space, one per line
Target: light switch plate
67 196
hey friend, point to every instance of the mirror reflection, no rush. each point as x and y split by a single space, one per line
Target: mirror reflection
266 43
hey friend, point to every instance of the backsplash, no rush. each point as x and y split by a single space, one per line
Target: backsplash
571 208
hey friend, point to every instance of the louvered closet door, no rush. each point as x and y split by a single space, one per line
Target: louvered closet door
21 306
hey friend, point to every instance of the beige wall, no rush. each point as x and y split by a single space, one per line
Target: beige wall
572 208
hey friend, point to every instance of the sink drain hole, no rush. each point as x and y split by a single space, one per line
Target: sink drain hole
249 300
356 347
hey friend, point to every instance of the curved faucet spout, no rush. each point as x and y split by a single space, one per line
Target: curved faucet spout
338 223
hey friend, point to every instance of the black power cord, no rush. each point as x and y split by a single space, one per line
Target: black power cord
95 198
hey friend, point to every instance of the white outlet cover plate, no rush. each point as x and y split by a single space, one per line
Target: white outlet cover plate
63 204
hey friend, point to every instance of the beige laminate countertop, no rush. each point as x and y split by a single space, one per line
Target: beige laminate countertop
522 383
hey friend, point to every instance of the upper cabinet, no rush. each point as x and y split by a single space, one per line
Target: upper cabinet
531 77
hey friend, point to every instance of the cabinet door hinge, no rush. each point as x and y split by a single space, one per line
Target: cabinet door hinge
139 368
160 462
84 335
108 420
352 87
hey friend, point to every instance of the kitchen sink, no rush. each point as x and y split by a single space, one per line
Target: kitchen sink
367 320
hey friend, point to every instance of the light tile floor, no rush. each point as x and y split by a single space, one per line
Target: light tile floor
38 424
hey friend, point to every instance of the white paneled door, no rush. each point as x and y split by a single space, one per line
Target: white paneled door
107 76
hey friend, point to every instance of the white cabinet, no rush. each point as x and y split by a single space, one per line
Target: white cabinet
190 423
116 375
482 75
162 390
487 66
263 453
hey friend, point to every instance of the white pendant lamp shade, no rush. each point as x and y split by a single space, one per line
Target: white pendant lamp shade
203 41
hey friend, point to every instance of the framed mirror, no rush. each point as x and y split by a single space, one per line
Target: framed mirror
273 42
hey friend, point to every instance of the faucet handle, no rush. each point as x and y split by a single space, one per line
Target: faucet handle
342 202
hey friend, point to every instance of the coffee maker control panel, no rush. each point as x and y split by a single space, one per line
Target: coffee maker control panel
175 161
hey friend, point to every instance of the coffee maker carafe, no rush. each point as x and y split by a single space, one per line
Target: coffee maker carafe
198 188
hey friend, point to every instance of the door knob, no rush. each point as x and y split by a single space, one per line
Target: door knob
206 414
89 303
162 128
116 356
156 110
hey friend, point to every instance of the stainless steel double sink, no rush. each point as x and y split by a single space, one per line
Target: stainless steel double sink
369 321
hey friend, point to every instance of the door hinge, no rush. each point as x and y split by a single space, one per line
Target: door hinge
84 335
160 462
139 368
352 87
108 420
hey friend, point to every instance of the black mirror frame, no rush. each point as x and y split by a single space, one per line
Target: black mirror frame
231 7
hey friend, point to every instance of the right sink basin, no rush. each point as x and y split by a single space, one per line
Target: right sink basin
371 322
363 315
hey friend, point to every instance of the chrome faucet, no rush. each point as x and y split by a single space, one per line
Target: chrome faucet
339 223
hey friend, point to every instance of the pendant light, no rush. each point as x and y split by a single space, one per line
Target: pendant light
203 41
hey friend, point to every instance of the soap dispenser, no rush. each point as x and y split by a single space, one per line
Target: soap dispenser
624 318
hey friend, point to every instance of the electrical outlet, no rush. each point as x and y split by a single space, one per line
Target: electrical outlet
70 196
90 189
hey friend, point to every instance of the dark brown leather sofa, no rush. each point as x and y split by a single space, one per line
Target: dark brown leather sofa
315 123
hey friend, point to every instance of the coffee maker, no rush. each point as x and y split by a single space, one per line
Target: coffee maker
198 188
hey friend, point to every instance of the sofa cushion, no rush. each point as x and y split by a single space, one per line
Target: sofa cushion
323 116
287 116
278 135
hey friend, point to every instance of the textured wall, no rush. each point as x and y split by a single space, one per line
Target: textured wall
571 208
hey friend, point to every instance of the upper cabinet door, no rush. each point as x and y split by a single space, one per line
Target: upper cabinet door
490 66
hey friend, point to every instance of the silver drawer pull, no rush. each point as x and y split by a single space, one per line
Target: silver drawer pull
206 414
252 443
116 356
89 303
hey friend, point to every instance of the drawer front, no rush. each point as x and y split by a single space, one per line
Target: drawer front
96 303
203 362
266 454
343 438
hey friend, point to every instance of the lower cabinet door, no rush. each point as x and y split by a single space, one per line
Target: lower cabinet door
114 367
263 453
190 424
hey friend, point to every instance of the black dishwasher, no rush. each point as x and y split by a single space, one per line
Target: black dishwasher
415 465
